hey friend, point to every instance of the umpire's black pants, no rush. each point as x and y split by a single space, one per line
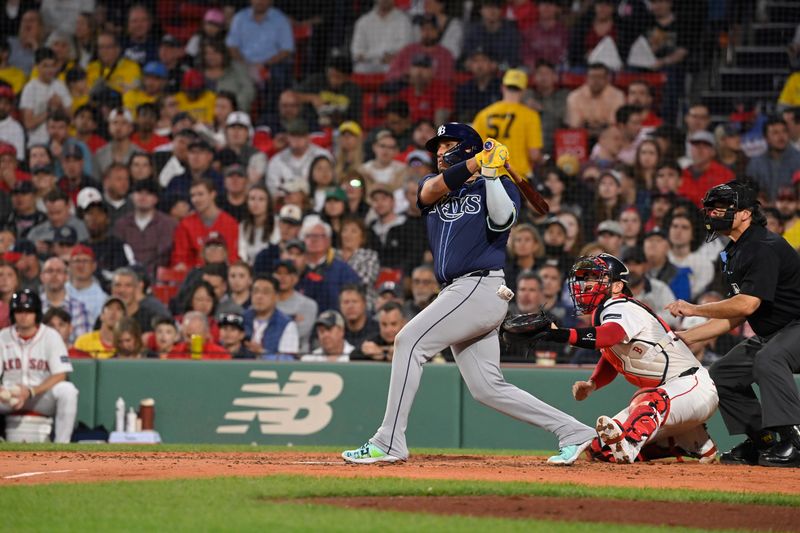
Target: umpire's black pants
769 362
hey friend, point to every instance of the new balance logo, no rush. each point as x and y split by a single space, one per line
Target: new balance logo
291 410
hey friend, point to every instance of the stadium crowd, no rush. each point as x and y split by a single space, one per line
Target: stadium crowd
232 180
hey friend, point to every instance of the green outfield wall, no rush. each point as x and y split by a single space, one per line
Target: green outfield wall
337 404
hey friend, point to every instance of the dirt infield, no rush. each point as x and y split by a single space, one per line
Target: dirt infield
18 468
694 515
49 467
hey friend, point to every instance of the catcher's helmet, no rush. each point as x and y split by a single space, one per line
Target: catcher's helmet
590 280
25 300
469 142
731 197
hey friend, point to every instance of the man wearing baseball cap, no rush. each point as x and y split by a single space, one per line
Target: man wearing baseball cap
24 258
234 201
58 208
290 217
82 284
239 137
522 134
154 83
195 99
301 308
199 157
121 147
293 163
171 54
110 252
232 335
333 347
24 214
705 171
73 177
10 173
11 131
64 240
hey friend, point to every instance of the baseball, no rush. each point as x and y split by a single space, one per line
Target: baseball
5 396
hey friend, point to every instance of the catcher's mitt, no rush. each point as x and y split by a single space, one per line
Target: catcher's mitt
527 327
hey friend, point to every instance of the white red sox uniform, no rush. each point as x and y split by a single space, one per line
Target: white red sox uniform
28 363
676 395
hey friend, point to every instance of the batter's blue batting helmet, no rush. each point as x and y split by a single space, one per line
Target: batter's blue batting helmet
469 142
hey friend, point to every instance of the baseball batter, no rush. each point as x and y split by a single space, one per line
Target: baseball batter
35 367
468 216
676 395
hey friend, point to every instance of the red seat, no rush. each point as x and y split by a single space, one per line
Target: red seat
395 275
168 275
165 293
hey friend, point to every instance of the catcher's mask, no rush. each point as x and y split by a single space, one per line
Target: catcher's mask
720 205
590 280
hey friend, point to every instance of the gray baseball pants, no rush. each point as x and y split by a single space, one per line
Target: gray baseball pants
465 316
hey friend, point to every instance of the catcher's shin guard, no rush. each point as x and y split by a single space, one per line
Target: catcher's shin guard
649 408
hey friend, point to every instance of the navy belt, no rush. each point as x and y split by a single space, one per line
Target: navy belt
478 273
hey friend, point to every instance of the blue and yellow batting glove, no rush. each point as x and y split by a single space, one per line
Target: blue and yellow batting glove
493 159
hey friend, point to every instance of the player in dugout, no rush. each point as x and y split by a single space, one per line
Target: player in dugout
762 272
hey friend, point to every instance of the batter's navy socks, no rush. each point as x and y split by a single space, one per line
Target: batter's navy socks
367 454
785 453
568 454
747 452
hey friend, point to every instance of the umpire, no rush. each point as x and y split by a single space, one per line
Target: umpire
763 275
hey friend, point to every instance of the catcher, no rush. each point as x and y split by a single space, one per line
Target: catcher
676 395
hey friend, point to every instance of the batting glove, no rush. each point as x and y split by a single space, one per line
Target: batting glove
493 159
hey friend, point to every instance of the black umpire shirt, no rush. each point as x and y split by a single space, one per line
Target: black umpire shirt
764 265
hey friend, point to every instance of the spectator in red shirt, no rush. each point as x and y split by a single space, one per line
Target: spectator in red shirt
705 172
546 39
85 120
427 97
641 94
145 136
9 173
441 58
194 230
195 324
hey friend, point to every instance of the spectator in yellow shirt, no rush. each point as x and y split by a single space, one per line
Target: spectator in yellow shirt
111 68
513 123
195 99
77 86
100 342
154 81
8 73
790 95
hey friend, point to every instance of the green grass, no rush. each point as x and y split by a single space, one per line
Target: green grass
248 504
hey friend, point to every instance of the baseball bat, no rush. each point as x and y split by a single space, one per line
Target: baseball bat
538 203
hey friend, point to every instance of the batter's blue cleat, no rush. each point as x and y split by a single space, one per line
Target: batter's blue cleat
367 454
568 454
